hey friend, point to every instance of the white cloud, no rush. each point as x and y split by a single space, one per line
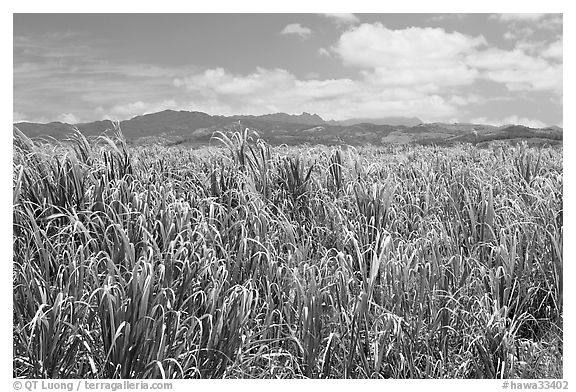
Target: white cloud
136 108
517 70
533 48
529 80
343 19
219 81
409 72
554 50
425 72
463 100
518 17
511 120
549 50
68 118
18 117
552 22
495 58
275 90
523 26
312 75
297 29
429 57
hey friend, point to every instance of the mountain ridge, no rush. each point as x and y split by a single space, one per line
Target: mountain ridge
197 128
394 121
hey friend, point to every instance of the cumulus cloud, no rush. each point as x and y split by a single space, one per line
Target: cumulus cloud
432 59
529 80
407 72
68 118
136 108
494 58
416 71
554 50
343 19
219 81
517 70
272 90
467 99
297 29
427 57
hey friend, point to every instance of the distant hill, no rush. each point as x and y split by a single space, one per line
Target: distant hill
394 121
509 132
197 128
54 129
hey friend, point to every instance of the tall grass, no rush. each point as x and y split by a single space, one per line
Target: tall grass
251 261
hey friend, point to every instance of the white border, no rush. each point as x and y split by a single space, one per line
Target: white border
292 6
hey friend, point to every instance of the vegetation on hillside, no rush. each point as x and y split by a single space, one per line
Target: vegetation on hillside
171 127
251 261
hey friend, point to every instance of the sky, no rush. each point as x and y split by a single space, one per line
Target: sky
482 68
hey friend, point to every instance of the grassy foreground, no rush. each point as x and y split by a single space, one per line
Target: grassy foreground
251 261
